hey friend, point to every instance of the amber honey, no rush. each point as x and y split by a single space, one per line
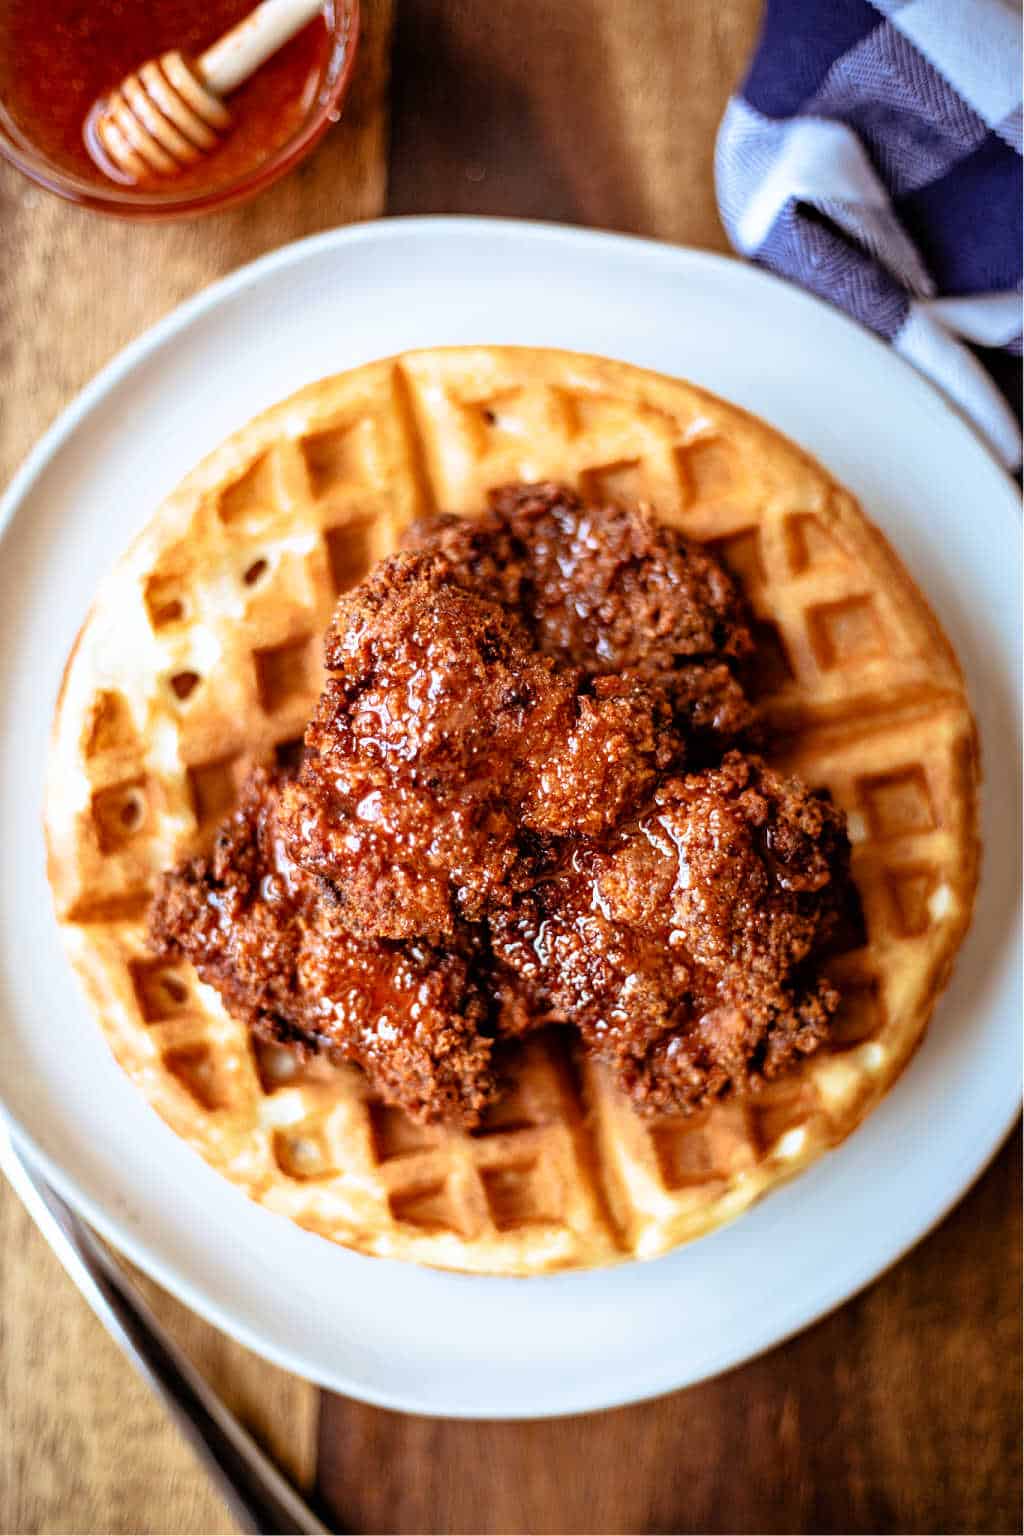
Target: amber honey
58 56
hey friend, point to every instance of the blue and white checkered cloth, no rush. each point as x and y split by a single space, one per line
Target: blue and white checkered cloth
873 155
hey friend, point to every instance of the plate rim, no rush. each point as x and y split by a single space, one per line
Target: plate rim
48 447
727 1359
394 227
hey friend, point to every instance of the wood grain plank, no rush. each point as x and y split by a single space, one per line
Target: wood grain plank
590 111
900 1412
83 1445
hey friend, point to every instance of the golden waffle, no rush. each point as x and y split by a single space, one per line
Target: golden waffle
201 655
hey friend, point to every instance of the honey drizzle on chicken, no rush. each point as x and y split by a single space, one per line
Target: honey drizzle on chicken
493 827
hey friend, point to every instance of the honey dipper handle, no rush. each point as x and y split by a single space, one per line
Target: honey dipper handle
240 52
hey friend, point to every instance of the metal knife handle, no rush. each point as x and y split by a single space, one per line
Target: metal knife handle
259 1497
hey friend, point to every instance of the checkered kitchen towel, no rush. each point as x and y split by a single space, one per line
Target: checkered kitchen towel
874 155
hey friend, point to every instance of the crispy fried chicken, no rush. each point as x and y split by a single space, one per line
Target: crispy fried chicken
493 827
271 941
444 749
683 945
608 590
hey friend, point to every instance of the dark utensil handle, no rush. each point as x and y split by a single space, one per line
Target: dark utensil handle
260 1499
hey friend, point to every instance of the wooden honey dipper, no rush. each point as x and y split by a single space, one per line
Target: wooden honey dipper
166 115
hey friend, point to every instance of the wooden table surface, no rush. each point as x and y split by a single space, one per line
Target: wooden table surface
901 1412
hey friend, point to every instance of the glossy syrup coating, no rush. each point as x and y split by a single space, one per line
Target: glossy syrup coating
683 944
608 590
445 749
493 829
271 941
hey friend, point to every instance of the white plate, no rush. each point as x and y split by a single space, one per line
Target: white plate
395 1335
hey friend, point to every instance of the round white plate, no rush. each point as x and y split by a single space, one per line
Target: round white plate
396 1335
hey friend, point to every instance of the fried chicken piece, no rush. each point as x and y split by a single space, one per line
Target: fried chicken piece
608 590
445 750
271 942
489 829
685 945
